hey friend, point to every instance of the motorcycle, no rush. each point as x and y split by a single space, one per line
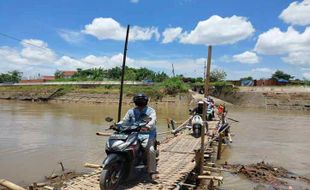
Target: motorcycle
210 114
124 154
197 124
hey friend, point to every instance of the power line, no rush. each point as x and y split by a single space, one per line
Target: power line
19 40
40 47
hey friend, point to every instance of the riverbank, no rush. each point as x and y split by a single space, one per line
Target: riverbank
94 94
279 98
276 98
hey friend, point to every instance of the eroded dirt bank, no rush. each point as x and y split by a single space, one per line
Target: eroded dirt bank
282 98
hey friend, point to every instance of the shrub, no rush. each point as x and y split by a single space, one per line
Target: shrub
174 85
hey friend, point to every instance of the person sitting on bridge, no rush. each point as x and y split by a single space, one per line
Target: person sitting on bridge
147 135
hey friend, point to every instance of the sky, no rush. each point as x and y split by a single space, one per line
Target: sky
249 38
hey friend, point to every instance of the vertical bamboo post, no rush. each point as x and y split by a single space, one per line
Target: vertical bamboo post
219 147
122 77
206 93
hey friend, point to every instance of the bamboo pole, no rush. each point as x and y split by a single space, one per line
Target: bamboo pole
122 77
220 178
206 93
103 134
217 169
219 148
89 165
10 185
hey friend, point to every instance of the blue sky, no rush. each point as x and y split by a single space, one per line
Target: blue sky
248 37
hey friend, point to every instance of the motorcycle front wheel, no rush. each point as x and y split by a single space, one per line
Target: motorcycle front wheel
111 177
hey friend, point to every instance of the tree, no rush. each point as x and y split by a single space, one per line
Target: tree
247 78
12 76
217 75
160 77
59 74
281 75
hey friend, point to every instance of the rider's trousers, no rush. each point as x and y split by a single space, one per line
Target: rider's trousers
148 145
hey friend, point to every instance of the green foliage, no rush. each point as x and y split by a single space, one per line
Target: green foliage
217 75
174 85
99 74
306 82
281 75
221 83
199 80
247 78
12 76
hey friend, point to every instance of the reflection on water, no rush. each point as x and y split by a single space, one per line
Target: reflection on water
277 137
35 137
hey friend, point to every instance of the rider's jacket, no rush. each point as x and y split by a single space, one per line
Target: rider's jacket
136 115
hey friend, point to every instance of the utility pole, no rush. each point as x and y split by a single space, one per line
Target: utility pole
206 94
122 77
173 70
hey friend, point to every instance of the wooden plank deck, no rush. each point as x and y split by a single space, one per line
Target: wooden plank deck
176 161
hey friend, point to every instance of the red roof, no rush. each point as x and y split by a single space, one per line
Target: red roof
69 73
48 77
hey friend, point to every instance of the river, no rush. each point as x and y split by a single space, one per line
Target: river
34 137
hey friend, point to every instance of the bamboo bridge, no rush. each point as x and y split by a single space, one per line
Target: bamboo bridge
179 155
177 159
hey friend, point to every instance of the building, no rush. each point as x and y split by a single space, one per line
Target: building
68 74
48 78
266 82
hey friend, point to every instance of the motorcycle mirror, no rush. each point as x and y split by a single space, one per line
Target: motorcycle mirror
109 119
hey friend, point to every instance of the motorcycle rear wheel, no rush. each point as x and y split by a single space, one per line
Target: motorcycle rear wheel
111 177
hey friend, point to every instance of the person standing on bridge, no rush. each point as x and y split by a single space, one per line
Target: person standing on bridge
147 134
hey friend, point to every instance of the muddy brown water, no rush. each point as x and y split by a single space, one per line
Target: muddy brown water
34 137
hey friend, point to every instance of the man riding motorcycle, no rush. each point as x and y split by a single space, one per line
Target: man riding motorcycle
147 135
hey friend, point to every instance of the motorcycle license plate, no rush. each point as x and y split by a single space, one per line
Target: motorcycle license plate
118 136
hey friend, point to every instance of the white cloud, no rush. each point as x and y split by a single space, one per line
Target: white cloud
108 28
171 34
134 1
298 58
71 36
246 57
217 31
31 64
263 70
37 51
297 13
306 75
10 55
295 46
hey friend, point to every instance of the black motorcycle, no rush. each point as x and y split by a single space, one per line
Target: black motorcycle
124 153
